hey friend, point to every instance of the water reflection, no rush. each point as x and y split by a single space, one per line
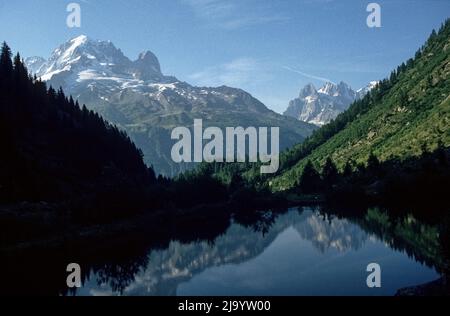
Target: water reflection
326 232
302 251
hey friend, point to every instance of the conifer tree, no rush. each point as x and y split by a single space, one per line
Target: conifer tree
310 180
6 66
329 173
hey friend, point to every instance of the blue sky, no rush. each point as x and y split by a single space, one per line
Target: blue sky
269 48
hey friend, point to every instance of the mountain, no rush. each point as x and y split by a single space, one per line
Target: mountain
361 93
34 64
321 106
404 116
180 262
55 151
139 98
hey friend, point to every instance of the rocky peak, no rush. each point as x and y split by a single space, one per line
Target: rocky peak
147 66
308 90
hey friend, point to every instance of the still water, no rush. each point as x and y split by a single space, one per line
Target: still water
300 252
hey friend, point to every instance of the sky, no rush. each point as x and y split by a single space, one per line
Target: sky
270 48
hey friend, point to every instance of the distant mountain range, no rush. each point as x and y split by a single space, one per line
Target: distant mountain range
320 106
138 97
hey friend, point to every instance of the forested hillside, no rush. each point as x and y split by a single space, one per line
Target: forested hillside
55 150
406 115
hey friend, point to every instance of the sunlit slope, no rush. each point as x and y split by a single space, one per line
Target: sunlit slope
406 114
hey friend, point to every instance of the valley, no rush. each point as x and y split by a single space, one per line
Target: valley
158 187
138 98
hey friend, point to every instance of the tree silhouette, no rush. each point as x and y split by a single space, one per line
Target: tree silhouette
329 174
54 151
6 66
310 181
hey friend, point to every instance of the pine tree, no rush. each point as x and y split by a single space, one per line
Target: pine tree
348 170
310 180
6 66
20 78
432 37
403 98
373 164
329 173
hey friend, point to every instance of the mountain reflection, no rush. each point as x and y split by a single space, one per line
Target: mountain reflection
158 265
166 269
325 233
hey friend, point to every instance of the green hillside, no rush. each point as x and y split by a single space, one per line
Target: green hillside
406 114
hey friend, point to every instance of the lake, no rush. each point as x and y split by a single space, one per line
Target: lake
301 251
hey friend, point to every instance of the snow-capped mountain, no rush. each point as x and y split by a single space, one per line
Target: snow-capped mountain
82 60
137 96
363 91
35 64
320 106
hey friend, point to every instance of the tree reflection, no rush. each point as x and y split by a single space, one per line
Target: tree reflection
156 259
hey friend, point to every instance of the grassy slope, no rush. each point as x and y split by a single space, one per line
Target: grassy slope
392 128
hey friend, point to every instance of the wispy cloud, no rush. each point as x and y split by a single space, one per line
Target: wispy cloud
304 74
235 14
239 72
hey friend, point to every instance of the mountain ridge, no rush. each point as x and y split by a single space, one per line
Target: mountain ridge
321 106
406 115
139 98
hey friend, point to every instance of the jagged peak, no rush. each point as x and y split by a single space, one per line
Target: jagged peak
146 55
147 65
79 39
343 84
35 63
308 90
328 88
